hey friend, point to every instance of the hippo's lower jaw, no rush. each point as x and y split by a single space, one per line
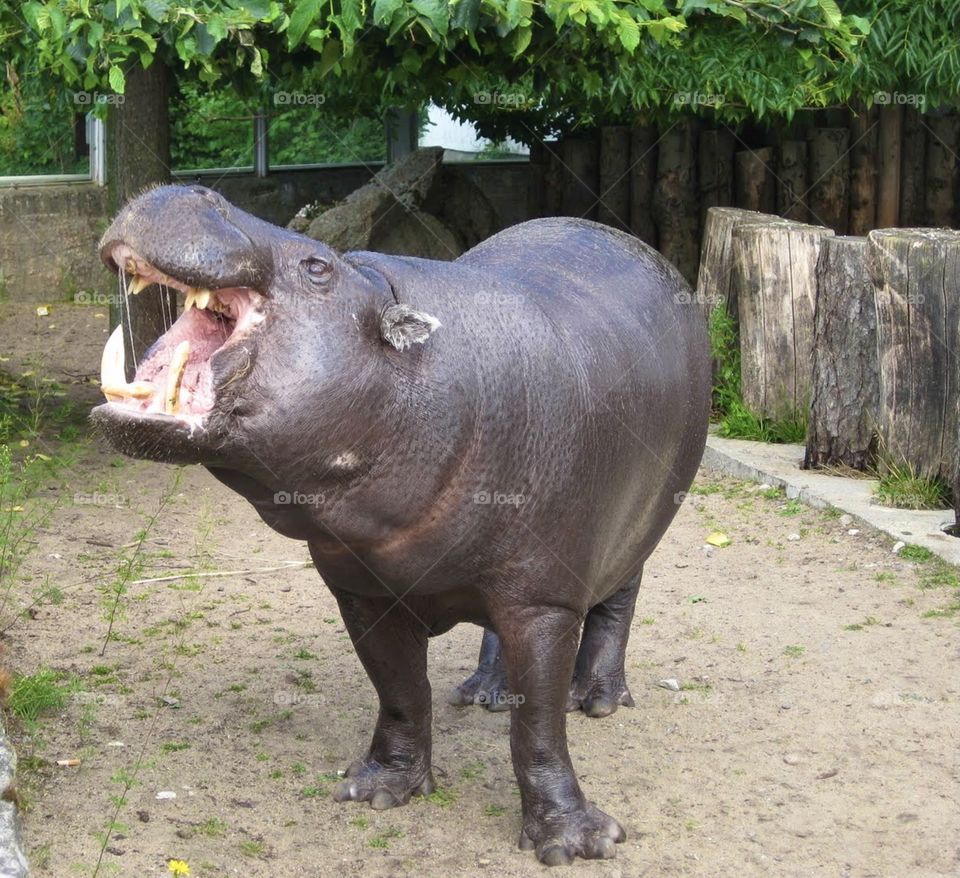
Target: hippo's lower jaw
173 389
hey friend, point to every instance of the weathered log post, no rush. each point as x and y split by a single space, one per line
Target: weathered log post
614 207
715 158
643 177
536 189
775 279
553 178
580 154
845 383
913 169
715 277
675 196
754 186
917 277
943 169
829 197
792 182
889 149
864 135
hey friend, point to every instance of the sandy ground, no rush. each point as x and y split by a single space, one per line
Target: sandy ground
816 733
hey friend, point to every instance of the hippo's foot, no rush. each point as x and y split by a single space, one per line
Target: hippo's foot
599 696
486 687
381 785
586 832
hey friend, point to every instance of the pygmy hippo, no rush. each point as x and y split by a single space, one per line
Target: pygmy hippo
502 440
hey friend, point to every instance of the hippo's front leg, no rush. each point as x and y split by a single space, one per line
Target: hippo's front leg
540 646
392 645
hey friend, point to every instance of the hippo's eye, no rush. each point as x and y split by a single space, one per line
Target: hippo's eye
318 270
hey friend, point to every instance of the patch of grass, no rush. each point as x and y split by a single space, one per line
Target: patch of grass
383 839
791 507
947 612
304 653
859 626
473 770
494 810
360 822
251 848
911 552
174 746
34 694
885 576
794 651
212 827
441 797
902 487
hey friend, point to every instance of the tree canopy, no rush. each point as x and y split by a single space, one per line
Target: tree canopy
512 66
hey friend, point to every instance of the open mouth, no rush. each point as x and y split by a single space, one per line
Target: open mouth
175 376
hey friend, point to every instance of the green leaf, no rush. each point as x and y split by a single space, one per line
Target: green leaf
437 12
156 9
118 82
384 10
466 15
831 12
303 15
629 33
519 40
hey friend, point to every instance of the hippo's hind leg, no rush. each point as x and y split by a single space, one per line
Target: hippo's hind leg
540 646
392 645
488 683
599 681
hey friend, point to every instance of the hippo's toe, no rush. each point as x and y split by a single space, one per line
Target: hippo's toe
382 786
588 833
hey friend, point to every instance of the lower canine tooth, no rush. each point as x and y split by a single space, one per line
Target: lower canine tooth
178 365
137 390
203 298
138 283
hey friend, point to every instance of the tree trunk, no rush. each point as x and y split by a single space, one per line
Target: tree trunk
715 150
864 137
913 170
675 197
775 278
553 176
580 154
942 169
643 175
916 273
829 178
754 187
888 178
792 181
845 381
138 156
536 189
614 207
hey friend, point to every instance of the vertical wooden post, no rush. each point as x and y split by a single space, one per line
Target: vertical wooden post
888 178
913 170
792 182
614 207
754 187
864 137
675 196
943 141
643 176
580 155
829 177
715 158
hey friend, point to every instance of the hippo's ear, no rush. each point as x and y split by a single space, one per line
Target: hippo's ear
402 326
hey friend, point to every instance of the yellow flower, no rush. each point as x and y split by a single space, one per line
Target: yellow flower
178 867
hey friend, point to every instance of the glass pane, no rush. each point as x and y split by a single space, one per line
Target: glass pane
210 129
300 134
43 130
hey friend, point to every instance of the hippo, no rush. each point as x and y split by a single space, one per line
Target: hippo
502 439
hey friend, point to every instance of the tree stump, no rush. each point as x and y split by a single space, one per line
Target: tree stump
774 273
715 159
754 186
829 197
580 155
913 170
614 207
845 381
675 197
917 277
942 169
643 177
792 181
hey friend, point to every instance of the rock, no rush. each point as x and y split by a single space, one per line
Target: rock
845 520
793 537
671 684
898 547
792 759
853 531
414 207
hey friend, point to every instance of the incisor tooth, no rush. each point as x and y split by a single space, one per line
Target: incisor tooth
203 298
138 283
190 300
178 365
112 360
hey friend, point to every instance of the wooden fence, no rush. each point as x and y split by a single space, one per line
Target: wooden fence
850 171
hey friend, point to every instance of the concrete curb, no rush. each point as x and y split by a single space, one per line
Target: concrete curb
779 465
13 862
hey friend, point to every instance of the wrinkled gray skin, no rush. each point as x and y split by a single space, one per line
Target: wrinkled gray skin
565 370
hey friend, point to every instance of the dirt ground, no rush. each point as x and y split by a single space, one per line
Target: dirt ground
815 732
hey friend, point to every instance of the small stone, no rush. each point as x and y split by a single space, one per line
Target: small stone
898 547
853 531
166 794
143 816
846 520
793 538
671 684
483 861
785 706
792 759
765 487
